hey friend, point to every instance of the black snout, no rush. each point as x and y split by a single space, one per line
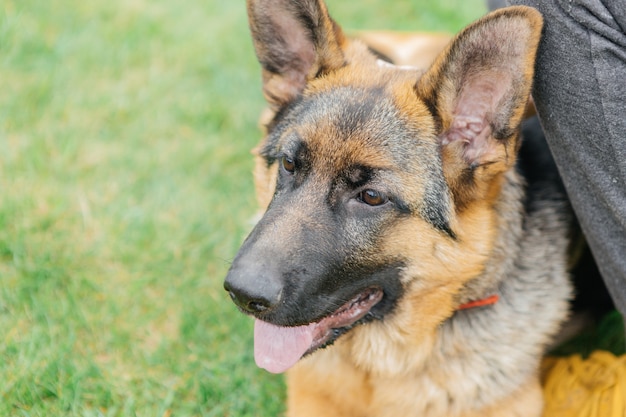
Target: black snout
252 288
252 303
282 261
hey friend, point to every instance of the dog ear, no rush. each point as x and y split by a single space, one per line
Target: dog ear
295 41
477 89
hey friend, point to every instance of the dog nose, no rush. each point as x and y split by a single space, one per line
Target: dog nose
252 292
248 302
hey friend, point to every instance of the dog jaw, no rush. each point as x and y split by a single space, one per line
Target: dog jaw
278 348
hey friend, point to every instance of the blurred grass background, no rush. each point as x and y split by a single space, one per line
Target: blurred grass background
125 189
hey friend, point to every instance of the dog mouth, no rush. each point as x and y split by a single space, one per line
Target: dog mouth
278 348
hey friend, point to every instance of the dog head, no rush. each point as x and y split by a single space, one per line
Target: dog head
385 177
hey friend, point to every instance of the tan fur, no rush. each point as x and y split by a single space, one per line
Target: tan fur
354 394
418 361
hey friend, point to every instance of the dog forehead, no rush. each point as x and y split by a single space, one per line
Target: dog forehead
360 126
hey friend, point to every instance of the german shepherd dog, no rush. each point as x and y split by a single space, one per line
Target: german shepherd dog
401 227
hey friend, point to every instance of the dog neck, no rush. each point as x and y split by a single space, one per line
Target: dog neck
507 243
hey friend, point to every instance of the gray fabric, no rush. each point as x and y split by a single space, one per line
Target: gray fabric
580 94
496 4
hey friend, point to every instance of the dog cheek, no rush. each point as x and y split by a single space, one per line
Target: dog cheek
429 254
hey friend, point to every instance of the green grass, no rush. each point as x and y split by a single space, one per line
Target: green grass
125 189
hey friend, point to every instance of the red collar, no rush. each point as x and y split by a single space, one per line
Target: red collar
491 300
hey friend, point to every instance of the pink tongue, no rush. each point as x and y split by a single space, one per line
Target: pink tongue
277 349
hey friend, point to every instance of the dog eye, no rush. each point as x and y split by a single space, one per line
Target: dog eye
288 164
372 197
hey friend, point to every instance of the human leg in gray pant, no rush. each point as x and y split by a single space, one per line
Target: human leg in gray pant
580 95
